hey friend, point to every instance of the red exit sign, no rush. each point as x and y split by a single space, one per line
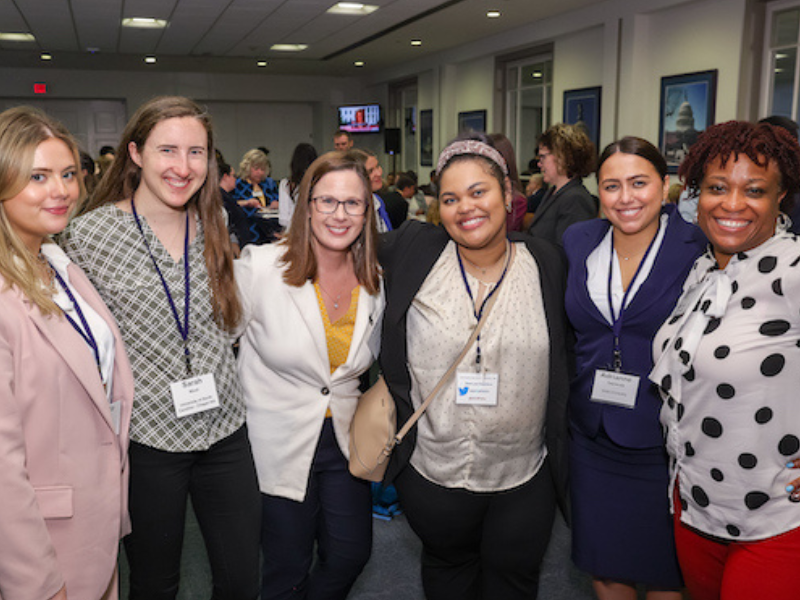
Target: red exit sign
39 88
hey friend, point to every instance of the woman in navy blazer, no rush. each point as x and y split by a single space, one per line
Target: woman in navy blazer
625 275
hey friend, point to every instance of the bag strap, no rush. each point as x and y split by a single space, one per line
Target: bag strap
424 406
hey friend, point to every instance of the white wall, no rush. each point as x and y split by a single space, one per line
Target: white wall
625 46
691 37
577 63
324 94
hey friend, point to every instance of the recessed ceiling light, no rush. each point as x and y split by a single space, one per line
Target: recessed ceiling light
359 63
150 60
17 37
144 23
493 14
352 8
46 56
288 47
416 42
261 63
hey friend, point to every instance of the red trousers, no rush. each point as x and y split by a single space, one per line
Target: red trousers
715 569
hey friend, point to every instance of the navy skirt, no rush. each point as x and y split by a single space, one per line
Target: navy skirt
621 521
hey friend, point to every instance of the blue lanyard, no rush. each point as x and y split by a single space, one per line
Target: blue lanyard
479 312
183 328
616 320
83 329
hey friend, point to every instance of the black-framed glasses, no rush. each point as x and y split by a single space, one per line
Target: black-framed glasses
328 205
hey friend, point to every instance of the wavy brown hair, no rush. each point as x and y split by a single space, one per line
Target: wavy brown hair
22 129
572 148
124 177
299 258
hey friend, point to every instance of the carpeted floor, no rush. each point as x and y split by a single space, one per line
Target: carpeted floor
393 571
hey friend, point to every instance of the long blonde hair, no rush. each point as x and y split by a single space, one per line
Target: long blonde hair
22 129
124 177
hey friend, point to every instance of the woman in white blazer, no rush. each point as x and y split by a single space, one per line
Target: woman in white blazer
312 319
66 388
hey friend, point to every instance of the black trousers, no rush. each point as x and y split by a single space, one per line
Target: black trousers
336 514
224 490
480 546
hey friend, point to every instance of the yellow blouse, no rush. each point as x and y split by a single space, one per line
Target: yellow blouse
338 335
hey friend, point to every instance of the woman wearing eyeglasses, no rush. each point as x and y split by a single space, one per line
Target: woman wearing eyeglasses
566 156
312 312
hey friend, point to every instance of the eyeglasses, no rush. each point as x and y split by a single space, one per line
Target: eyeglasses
544 155
327 206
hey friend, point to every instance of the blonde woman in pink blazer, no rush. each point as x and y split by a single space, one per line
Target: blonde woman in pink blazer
66 387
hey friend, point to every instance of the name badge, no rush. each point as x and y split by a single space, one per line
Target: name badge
116 415
194 395
477 388
619 389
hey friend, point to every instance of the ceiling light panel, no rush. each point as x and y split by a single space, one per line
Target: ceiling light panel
50 23
16 37
138 40
352 8
288 47
144 23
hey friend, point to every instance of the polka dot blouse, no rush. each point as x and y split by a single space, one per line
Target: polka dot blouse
728 368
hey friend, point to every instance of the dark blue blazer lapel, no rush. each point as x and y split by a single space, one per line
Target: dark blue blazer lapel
590 234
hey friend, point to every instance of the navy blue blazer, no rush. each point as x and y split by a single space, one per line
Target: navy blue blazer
638 427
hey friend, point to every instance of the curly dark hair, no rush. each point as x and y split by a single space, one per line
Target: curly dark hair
760 142
572 147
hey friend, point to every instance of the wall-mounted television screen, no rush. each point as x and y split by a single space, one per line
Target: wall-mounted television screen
360 118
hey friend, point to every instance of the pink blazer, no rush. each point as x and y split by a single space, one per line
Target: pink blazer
63 469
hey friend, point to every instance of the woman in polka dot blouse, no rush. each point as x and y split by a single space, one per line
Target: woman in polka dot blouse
727 367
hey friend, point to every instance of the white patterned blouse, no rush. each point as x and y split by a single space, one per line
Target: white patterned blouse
728 368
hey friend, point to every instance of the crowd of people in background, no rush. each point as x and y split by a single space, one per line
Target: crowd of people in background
176 328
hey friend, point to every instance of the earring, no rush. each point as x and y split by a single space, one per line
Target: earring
508 208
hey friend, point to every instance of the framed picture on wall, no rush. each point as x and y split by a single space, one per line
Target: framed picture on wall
426 138
472 120
687 108
583 106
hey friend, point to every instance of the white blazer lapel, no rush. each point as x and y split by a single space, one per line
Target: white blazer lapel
367 318
305 300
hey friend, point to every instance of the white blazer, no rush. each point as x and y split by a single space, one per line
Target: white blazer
285 371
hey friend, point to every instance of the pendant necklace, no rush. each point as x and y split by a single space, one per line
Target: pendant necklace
330 297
